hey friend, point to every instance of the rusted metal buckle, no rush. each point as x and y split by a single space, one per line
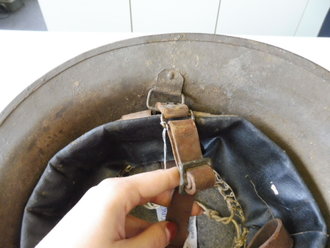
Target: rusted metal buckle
169 82
184 182
154 90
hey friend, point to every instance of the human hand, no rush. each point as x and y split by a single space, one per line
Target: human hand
101 218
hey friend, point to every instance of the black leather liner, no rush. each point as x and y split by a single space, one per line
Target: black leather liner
261 174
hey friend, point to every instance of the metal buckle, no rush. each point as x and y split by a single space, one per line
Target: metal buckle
150 94
189 165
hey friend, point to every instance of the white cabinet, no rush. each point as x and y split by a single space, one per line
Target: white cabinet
260 17
313 17
83 15
272 17
164 16
236 17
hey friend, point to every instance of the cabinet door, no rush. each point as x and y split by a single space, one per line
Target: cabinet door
260 17
313 18
163 16
83 15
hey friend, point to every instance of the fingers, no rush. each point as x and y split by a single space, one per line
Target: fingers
135 226
151 184
157 235
155 186
196 210
139 189
163 199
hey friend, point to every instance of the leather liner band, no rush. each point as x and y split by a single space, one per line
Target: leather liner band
272 235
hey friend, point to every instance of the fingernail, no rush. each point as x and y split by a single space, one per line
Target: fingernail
171 230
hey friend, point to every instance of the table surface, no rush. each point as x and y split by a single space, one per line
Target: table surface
26 56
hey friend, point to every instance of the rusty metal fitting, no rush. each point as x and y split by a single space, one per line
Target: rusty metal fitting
199 178
149 106
191 180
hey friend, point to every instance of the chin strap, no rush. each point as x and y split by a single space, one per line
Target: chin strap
196 172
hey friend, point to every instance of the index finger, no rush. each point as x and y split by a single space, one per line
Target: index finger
142 187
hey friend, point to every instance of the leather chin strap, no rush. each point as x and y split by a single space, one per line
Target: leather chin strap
197 174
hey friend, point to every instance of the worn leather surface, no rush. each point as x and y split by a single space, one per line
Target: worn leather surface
272 235
262 176
186 147
185 141
179 212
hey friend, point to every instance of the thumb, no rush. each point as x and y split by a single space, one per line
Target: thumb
157 235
